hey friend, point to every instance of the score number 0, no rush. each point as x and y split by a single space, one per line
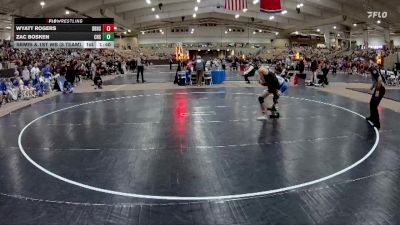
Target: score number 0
108 27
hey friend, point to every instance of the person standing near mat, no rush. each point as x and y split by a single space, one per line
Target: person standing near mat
378 91
268 79
199 67
140 68
249 72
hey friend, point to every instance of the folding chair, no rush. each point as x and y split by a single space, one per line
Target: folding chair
193 78
208 77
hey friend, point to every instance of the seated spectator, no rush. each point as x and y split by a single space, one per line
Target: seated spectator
22 89
12 89
4 95
68 87
30 91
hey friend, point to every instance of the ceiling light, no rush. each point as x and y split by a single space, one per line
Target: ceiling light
129 30
237 16
354 24
301 5
208 50
161 31
66 12
157 16
378 21
198 49
271 17
245 10
296 32
194 15
334 27
228 50
198 1
196 8
148 2
318 30
226 32
8 28
276 33
153 9
124 32
255 2
254 32
230 30
217 50
42 3
260 30
284 12
142 32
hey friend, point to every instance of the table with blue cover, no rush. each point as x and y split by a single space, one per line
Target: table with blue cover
218 76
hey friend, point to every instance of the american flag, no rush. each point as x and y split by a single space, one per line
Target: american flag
235 5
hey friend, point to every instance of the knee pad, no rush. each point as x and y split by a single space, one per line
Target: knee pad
261 100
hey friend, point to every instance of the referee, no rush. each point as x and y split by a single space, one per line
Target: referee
140 67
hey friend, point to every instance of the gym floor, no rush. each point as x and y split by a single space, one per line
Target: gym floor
198 156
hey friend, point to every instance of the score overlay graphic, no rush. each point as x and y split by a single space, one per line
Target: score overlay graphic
64 33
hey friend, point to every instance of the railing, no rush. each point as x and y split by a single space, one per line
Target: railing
6 73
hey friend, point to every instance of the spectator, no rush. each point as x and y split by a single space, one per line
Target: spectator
26 75
35 72
12 90
98 82
199 67
314 68
301 66
4 95
140 67
378 91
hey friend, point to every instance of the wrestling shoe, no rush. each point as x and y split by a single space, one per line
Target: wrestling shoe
272 109
274 116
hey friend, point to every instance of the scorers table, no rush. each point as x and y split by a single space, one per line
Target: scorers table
64 33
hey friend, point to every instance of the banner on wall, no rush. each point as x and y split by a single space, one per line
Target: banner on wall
270 6
235 5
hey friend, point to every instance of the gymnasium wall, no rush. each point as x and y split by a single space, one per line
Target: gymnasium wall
5 35
206 35
124 43
374 40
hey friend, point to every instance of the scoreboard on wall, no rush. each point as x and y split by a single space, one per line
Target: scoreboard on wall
64 33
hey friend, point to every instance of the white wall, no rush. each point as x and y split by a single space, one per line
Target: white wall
5 35
206 34
280 43
378 40
396 40
123 43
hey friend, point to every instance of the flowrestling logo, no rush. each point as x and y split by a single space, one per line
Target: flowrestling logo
380 15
